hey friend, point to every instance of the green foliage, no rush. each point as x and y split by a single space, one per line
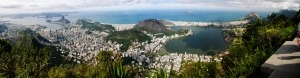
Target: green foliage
4 46
58 72
108 65
88 32
200 69
2 75
114 67
96 26
24 60
160 74
161 34
126 37
259 41
162 52
182 31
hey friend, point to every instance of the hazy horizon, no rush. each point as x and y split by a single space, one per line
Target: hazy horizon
36 6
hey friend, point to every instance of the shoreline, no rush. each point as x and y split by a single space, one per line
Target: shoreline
232 24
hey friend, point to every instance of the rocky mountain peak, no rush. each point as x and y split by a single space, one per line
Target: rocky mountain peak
152 25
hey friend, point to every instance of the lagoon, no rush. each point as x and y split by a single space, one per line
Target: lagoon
203 41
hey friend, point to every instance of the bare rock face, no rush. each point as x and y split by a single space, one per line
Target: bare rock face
152 25
63 21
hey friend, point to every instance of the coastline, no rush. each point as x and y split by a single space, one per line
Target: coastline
232 24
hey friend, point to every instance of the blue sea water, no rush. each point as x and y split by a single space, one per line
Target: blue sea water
134 16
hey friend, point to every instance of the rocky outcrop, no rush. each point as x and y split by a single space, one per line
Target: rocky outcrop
252 17
153 25
62 21
94 26
288 13
81 21
48 21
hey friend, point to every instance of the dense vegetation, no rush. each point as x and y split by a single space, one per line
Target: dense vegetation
259 41
23 59
96 26
126 37
109 65
161 34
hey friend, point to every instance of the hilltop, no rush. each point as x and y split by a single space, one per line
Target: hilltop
251 17
94 26
63 20
153 25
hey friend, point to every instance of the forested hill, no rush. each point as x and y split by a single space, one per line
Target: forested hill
94 26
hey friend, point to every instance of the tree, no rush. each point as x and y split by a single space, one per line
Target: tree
25 60
4 46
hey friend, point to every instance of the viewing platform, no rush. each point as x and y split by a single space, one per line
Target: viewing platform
285 62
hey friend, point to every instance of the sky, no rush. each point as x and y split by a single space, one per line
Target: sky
27 6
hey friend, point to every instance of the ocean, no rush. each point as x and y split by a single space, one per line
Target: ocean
134 16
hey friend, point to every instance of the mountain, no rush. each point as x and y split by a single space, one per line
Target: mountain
81 21
153 25
94 26
63 21
288 13
252 17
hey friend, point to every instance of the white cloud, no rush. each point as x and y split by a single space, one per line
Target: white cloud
12 6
